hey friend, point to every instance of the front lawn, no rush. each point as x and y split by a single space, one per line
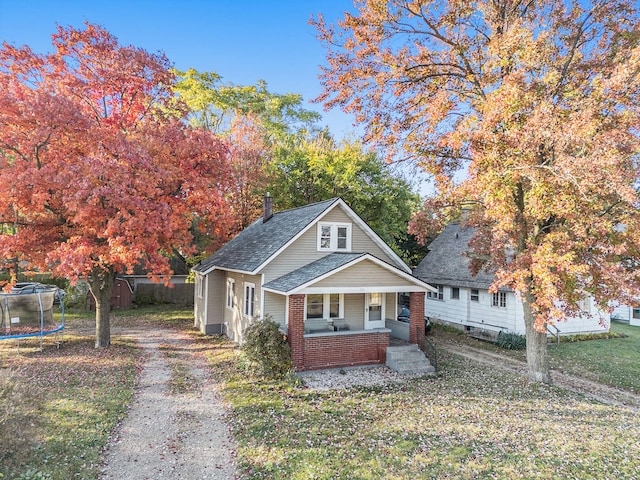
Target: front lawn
67 401
612 361
70 399
470 421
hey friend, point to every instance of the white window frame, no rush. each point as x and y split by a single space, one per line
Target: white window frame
201 281
249 301
439 295
231 293
333 238
476 295
499 299
326 307
457 296
635 313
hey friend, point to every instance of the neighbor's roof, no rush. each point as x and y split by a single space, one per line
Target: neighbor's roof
260 240
447 262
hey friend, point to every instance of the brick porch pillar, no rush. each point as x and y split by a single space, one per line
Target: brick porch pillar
416 321
296 330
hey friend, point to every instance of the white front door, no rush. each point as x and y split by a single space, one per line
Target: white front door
374 311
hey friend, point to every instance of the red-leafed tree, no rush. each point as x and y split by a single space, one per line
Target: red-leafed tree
526 112
97 176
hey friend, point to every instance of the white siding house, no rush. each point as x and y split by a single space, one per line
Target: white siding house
464 299
626 314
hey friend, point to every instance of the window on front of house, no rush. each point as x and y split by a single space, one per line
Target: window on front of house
327 305
475 295
334 237
499 299
249 299
636 313
455 293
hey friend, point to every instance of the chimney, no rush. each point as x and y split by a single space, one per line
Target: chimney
268 207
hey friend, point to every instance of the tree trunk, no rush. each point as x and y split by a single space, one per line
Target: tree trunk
101 284
537 359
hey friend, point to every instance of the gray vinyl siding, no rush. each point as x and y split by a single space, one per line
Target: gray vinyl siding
390 310
214 298
234 321
354 311
305 249
365 274
275 305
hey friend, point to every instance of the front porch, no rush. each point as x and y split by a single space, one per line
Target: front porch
356 340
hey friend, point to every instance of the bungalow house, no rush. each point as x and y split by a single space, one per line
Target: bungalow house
464 300
319 271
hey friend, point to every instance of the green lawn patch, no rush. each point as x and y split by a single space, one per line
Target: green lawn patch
82 393
612 359
469 421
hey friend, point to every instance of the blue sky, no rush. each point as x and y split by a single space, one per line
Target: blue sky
244 41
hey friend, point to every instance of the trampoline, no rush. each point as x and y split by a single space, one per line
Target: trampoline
26 315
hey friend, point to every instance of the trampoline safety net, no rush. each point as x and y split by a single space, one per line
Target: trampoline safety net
29 315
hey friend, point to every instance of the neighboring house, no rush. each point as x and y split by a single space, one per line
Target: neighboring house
625 313
464 299
332 284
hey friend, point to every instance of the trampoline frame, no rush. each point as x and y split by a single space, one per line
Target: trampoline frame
42 333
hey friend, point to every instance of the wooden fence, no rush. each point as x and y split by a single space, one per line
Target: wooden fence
180 294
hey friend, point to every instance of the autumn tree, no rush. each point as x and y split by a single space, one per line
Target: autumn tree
526 111
254 120
97 176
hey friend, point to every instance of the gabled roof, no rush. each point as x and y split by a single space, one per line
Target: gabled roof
259 241
312 271
328 265
447 262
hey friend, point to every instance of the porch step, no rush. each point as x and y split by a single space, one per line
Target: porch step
408 359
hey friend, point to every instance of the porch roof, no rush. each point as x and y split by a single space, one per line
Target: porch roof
308 275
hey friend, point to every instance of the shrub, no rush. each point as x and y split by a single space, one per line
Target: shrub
511 341
19 413
266 350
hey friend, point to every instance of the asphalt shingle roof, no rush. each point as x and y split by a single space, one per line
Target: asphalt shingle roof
447 262
260 240
314 270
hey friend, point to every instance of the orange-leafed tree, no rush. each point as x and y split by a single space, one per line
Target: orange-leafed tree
97 176
528 113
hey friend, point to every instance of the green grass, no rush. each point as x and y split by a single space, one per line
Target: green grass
79 393
82 394
614 361
468 422
611 361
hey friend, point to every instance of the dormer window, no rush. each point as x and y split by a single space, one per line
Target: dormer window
334 237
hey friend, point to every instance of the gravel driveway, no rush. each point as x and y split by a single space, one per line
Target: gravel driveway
177 433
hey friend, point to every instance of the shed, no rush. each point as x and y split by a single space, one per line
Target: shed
121 296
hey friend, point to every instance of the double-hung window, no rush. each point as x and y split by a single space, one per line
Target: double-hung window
249 299
636 313
499 299
455 293
325 305
475 295
231 293
334 237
